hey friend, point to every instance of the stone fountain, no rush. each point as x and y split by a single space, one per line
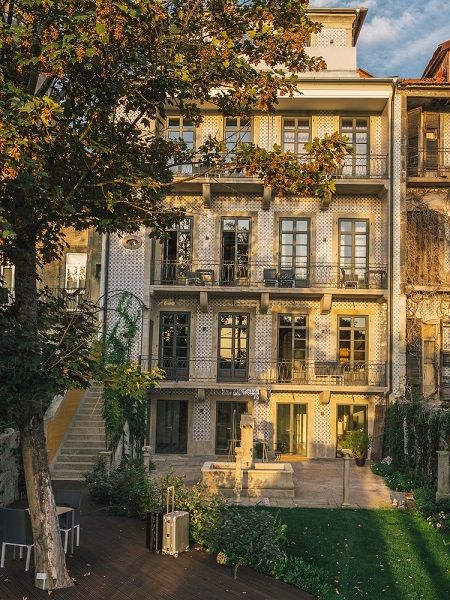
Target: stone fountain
245 478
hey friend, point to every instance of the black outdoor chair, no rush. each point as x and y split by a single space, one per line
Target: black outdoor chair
72 499
16 532
286 278
270 277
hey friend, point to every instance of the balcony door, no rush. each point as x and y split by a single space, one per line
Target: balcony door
174 345
353 252
228 425
171 426
353 348
233 347
235 250
294 250
177 252
357 132
75 279
292 333
292 429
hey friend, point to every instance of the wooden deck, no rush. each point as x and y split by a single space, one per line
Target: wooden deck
113 564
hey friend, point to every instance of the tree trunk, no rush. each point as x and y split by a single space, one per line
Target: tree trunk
48 551
49 555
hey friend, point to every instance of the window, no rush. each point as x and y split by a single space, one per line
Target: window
233 347
296 133
357 131
353 252
179 128
235 250
6 283
238 130
294 250
292 350
350 417
174 345
177 251
75 271
292 429
352 342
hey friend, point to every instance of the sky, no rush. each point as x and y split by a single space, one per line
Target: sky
398 36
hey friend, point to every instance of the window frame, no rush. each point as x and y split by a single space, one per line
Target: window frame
234 326
184 169
354 267
239 131
230 271
351 361
179 374
296 133
351 159
300 281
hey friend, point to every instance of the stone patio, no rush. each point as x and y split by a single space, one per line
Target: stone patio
318 483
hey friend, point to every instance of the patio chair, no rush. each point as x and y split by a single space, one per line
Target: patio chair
72 499
349 280
286 278
270 277
16 532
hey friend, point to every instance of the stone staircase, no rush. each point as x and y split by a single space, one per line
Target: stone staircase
84 440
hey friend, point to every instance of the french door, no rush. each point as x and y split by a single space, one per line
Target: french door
350 417
292 429
228 425
171 426
174 345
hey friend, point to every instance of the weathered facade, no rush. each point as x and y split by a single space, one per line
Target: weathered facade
425 197
281 307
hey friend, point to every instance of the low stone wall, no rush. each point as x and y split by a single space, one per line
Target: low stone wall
9 470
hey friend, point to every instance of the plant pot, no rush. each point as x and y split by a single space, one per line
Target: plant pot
360 461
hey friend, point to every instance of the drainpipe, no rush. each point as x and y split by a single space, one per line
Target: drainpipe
104 276
391 240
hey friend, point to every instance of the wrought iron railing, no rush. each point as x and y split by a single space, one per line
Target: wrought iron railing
262 372
267 275
426 163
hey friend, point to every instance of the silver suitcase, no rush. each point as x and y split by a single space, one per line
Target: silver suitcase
175 528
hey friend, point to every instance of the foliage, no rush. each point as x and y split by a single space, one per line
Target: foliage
425 430
125 383
436 513
394 479
248 536
126 490
306 576
358 441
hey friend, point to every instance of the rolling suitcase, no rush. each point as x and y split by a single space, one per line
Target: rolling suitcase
153 541
175 528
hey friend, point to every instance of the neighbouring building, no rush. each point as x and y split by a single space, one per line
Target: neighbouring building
425 205
277 306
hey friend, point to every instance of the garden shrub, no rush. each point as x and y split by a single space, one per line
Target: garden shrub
295 571
394 479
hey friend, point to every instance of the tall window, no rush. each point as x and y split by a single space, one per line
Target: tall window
177 251
235 249
353 251
233 346
352 341
292 350
174 345
294 248
357 131
179 128
296 133
75 270
238 130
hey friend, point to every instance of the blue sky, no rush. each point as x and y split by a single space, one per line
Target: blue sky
398 36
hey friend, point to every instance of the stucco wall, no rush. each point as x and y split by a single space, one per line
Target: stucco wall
9 472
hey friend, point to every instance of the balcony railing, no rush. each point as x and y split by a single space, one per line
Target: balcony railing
266 275
430 164
261 372
73 298
372 166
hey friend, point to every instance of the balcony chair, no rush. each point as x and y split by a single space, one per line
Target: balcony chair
72 499
206 276
348 280
286 278
192 278
270 277
16 526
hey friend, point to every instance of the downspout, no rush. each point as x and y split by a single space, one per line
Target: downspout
391 241
104 276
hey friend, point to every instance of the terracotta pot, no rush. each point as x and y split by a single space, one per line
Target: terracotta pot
360 462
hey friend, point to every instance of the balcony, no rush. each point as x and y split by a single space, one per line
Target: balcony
366 173
260 277
73 298
426 165
242 372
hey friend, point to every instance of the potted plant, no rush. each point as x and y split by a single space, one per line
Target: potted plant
358 441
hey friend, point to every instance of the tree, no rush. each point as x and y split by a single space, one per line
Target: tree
83 83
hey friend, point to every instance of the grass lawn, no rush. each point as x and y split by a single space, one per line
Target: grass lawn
373 554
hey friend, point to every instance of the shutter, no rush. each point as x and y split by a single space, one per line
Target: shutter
414 119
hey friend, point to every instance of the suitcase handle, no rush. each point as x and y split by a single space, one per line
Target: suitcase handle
170 490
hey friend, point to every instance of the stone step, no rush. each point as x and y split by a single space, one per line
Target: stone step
71 444
68 476
87 428
81 450
74 466
94 420
66 457
88 437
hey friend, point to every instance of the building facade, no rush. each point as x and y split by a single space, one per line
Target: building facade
425 208
277 306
